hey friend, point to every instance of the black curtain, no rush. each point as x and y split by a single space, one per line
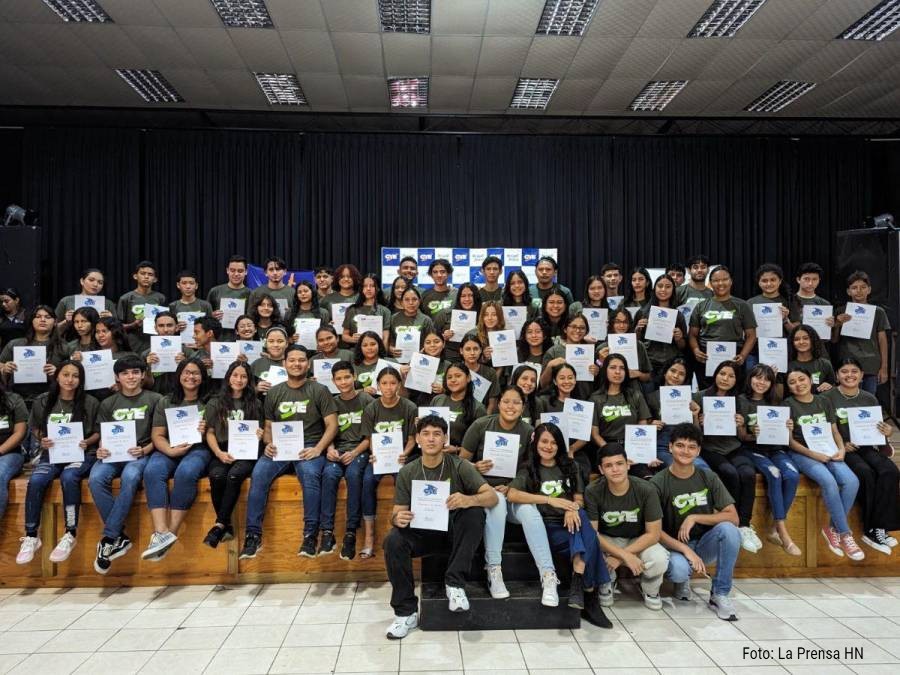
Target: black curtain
190 199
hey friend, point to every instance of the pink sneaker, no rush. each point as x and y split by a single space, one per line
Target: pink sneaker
833 540
30 545
848 544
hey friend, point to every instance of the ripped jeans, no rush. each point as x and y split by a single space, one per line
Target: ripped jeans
782 477
70 477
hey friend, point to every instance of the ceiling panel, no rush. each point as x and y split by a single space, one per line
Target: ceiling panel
513 17
857 97
738 57
696 96
455 55
18 86
310 51
112 45
359 16
643 58
296 14
163 45
27 12
550 56
615 96
449 93
188 13
597 58
673 19
573 95
211 47
502 56
458 17
196 87
875 63
831 19
828 61
735 98
492 94
777 18
129 12
239 87
619 18
261 49
324 91
690 58
366 93
784 57
46 44
358 53
406 54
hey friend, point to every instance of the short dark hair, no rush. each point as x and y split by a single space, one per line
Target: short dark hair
548 259
238 259
431 421
408 257
167 313
697 258
858 275
323 268
279 263
298 348
491 259
810 268
443 262
185 274
133 362
609 267
675 266
611 450
209 323
145 263
342 365
686 431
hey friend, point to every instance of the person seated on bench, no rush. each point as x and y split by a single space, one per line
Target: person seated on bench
552 480
470 495
627 515
699 522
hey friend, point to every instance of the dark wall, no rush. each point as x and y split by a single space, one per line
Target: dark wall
111 197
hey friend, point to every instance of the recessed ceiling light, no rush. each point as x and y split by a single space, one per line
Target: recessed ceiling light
151 85
533 93
243 13
79 10
566 17
405 16
408 92
657 95
882 20
779 96
724 18
281 88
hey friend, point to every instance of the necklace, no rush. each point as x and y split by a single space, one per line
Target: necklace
441 476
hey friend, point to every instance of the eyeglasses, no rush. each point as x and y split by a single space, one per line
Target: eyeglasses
580 329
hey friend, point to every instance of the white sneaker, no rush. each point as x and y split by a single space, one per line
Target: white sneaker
30 545
160 543
549 582
63 549
653 602
605 594
749 541
723 607
682 591
890 540
402 625
458 600
495 583
755 537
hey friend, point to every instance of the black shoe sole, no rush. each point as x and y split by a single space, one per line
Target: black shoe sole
606 623
212 543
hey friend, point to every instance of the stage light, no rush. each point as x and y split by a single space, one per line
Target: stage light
405 16
17 216
533 93
724 18
566 17
657 95
243 13
281 88
79 11
150 85
877 24
780 96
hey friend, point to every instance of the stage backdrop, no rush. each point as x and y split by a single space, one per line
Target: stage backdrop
188 198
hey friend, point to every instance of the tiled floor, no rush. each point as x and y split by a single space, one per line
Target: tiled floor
323 628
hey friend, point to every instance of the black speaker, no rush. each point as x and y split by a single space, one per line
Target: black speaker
20 257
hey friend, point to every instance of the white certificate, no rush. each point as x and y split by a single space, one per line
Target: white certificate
287 437
718 416
818 438
274 375
503 450
515 318
864 426
232 310
558 419
223 354
243 443
772 422
408 340
686 310
440 411
480 386
97 302
614 301
118 438
769 322
773 351
338 312
640 443
187 335
366 323
581 358
322 373
166 348
675 404
716 352
462 321
284 305
422 372
626 345
150 312
387 448
815 316
598 322
503 346
30 363
306 331
661 324
98 369
428 504
66 438
182 425
252 349
580 417
862 320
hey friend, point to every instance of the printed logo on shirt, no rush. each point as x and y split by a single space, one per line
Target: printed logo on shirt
436 306
816 378
289 408
236 415
614 412
752 419
60 418
365 379
455 415
843 415
345 420
4 422
713 315
552 488
388 427
817 418
121 414
614 518
690 500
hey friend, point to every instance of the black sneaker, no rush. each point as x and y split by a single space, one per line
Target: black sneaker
229 533
103 562
327 543
252 544
348 549
576 591
214 536
120 547
593 612
308 549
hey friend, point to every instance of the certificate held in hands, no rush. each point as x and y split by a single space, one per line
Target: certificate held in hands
182 425
65 437
626 345
862 320
166 348
243 443
581 358
118 438
769 322
504 350
222 354
818 438
661 325
675 404
462 321
428 504
287 437
232 309
30 362
815 317
98 369
503 450
387 448
422 372
640 443
366 323
718 416
772 423
716 352
864 426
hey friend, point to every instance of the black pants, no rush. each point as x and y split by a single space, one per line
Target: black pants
402 544
738 473
225 482
878 488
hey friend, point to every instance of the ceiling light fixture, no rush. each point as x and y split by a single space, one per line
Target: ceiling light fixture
724 18
281 88
150 85
657 95
566 17
882 20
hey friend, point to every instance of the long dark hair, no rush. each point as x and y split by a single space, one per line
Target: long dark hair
253 311
114 326
784 290
629 289
524 350
530 399
468 402
379 294
357 351
391 301
619 311
177 393
566 465
655 300
55 346
713 387
526 296
90 315
628 391
476 298
249 402
555 291
586 301
762 370
295 305
53 396
816 347
557 369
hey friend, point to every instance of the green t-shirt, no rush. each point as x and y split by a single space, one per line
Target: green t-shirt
820 370
701 494
625 515
166 403
18 413
865 351
721 445
660 353
62 413
798 303
458 425
217 294
140 409
196 306
473 441
491 296
685 292
493 386
237 412
283 293
644 364
434 301
366 310
379 419
819 410
583 389
463 477
310 403
613 412
840 403
350 419
68 304
722 321
337 299
400 321
553 484
30 391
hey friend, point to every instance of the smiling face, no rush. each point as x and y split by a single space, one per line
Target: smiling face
676 374
769 282
296 364
565 381
191 377
245 329
760 384
556 306
455 380
236 272
849 376
721 283
802 342
534 334
527 381
369 348
799 383
664 289
389 386
276 343
596 291
433 345
323 281
516 286
547 448
684 450
130 380
409 270
466 298
238 380
266 308
326 341
576 330
510 406
439 275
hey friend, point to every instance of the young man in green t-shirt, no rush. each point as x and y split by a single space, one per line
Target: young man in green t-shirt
627 515
699 522
469 496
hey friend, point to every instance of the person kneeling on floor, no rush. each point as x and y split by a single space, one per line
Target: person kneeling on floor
699 522
420 481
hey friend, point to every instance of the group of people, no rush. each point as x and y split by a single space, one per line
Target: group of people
342 357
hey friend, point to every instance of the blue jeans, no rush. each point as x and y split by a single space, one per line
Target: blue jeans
308 471
782 477
837 483
530 519
10 466
870 384
114 510
331 478
370 491
583 542
721 545
187 470
70 477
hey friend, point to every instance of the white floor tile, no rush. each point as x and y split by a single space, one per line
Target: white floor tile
545 635
324 594
873 627
492 656
314 614
368 658
247 637
47 620
268 616
193 638
831 669
789 652
624 656
796 607
871 653
485 636
181 662
114 619
711 628
354 634
843 607
200 617
25 642
430 656
767 629
137 640
305 660
121 663
50 664
9 618
676 655
822 627
655 631
231 596
364 613
78 640
373 592
732 653
178 599
547 655
242 661
158 618
272 596
9 661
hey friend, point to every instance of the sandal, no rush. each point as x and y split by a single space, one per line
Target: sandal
367 552
792 549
